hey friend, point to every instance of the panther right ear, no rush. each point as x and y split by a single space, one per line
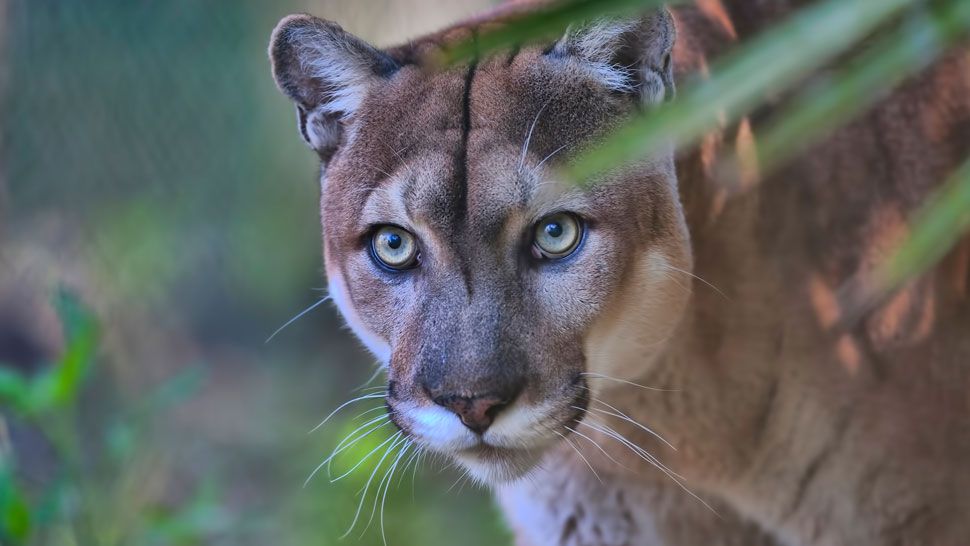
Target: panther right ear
327 72
630 55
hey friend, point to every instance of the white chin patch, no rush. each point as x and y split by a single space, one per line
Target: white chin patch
498 470
439 429
510 448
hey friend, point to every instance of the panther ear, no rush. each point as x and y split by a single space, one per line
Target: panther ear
629 55
327 72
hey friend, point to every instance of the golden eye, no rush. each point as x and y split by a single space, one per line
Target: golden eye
394 247
557 235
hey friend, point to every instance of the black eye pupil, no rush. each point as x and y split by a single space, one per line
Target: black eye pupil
553 229
394 241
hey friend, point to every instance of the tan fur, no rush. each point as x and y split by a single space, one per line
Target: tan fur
792 430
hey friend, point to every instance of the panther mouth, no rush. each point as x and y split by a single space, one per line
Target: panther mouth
504 461
514 444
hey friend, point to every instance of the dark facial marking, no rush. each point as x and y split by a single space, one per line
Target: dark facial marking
461 160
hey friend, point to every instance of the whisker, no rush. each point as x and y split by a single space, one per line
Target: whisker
411 459
341 447
631 383
363 386
414 472
630 420
345 404
360 505
349 440
583 457
676 478
365 412
528 137
548 157
463 475
386 482
637 450
364 458
388 486
297 317
337 450
599 447
688 273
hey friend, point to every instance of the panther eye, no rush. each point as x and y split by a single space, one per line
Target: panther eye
557 236
394 248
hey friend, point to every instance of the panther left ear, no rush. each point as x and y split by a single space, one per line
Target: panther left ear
327 72
628 55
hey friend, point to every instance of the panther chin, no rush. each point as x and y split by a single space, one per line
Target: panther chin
499 465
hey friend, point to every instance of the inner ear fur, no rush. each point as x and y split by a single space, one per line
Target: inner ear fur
327 72
631 55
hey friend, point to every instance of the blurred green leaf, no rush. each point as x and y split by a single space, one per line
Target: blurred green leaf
59 385
191 522
760 68
918 41
14 512
545 23
13 390
938 225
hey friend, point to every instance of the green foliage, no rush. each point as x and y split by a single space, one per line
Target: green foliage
937 227
56 387
49 403
543 24
14 513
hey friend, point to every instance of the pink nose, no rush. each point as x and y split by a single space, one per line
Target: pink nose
476 412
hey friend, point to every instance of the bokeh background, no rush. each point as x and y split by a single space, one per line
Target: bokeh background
159 222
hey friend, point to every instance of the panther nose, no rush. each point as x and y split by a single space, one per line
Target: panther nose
476 412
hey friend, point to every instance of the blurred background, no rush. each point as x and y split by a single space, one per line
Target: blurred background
159 222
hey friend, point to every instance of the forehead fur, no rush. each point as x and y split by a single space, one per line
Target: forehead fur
468 140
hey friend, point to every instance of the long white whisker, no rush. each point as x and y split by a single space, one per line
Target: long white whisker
637 450
297 317
710 285
407 463
628 419
386 484
414 472
360 505
676 478
364 458
631 383
528 137
581 456
344 405
350 435
363 386
548 157
464 474
597 446
348 443
365 412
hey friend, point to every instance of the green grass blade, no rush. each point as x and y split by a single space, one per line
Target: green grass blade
766 65
856 86
936 228
544 23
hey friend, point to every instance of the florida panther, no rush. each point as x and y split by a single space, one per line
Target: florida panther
556 340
